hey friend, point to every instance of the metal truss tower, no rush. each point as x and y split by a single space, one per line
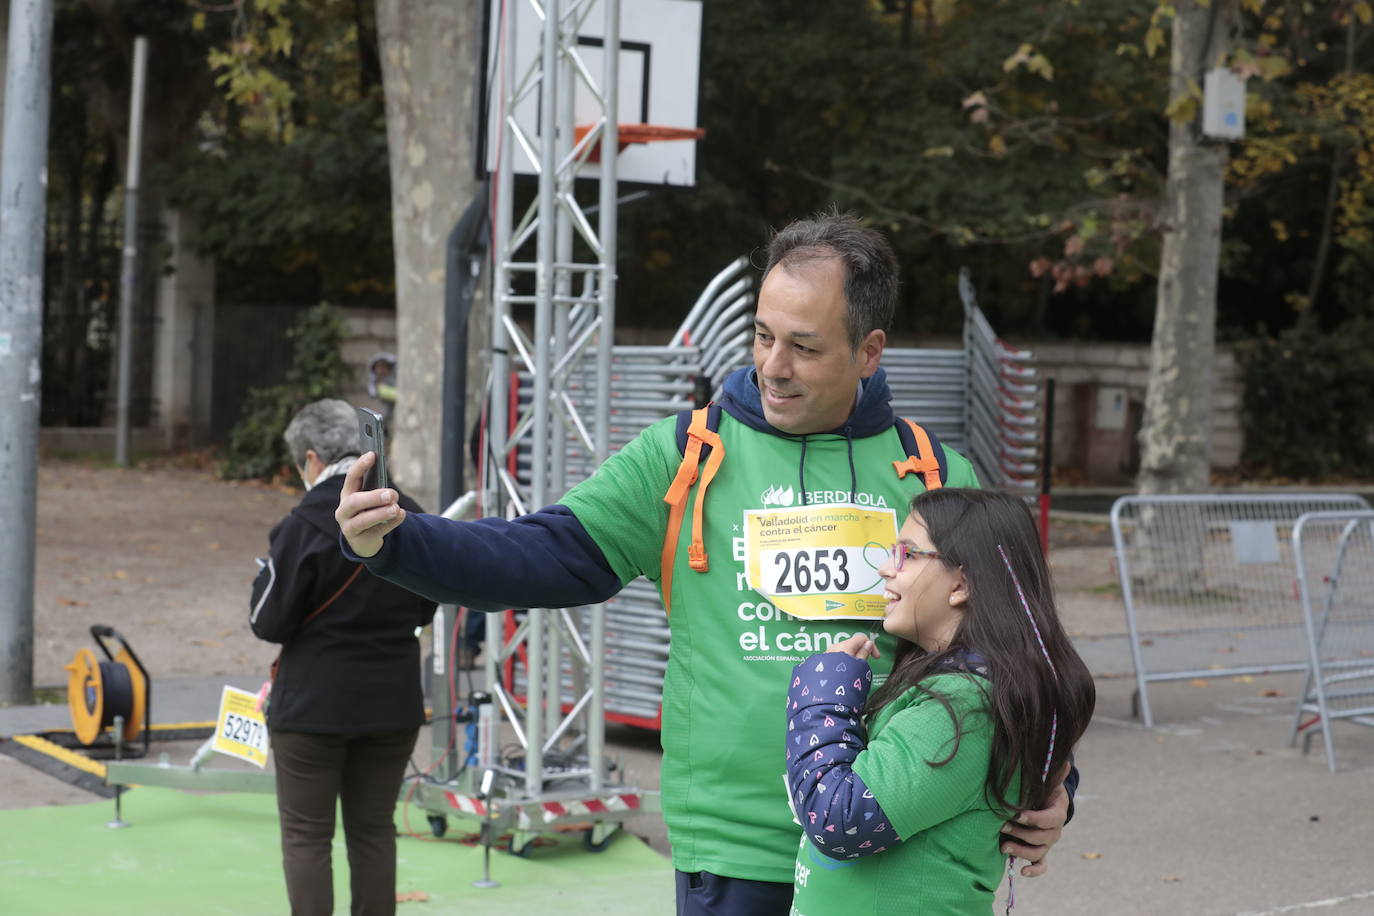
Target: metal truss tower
553 300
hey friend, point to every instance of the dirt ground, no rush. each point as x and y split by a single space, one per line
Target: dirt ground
163 554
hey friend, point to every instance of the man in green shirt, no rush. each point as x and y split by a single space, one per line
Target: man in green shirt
802 509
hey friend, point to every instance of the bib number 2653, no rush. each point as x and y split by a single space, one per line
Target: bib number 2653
816 571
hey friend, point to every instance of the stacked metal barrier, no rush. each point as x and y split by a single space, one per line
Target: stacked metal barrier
1208 583
1334 552
980 401
1002 413
649 383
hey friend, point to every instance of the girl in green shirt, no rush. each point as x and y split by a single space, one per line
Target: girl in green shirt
902 798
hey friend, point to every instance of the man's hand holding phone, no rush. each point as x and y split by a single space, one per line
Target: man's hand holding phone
366 516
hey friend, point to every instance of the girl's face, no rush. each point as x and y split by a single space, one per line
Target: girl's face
925 597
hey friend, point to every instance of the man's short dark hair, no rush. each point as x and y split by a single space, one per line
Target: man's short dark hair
870 267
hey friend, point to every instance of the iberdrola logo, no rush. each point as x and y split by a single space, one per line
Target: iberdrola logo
776 496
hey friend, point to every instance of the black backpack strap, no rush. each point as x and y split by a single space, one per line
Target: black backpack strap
684 420
912 447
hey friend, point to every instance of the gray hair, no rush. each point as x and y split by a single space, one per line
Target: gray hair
330 427
870 267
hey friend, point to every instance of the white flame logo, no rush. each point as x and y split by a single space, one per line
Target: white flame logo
776 496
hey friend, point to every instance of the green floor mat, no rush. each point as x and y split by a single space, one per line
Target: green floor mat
219 854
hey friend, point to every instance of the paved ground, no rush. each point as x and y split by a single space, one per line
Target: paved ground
1209 812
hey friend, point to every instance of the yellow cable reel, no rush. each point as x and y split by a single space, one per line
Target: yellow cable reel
98 691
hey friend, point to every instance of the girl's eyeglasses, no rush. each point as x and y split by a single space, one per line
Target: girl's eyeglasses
901 551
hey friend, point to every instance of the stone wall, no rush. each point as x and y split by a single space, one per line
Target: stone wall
1078 366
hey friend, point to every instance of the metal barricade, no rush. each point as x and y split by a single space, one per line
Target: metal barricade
1001 409
1335 566
1208 583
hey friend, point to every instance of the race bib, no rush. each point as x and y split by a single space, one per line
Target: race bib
820 562
241 730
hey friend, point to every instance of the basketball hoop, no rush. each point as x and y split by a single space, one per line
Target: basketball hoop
638 133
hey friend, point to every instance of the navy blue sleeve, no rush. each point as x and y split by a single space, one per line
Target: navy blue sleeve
825 733
1071 786
545 559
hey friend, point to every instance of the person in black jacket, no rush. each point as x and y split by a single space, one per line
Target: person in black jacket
346 705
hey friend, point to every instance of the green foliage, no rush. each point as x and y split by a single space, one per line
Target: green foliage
1024 140
974 132
1305 410
256 447
288 177
306 220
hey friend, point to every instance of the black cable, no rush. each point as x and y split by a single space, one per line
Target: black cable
118 690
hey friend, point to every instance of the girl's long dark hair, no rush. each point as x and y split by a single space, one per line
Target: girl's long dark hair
966 527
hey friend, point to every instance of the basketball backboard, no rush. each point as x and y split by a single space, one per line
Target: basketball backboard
660 58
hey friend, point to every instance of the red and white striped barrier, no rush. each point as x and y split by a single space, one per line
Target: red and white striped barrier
552 811
466 804
589 806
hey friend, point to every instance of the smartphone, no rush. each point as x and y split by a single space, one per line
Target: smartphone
371 438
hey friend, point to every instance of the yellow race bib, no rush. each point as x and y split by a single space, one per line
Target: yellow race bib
820 562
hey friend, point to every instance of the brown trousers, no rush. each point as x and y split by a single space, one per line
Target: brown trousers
363 774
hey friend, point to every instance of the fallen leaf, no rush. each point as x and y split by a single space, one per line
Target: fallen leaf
119 574
1170 878
1244 679
1092 855
408 896
73 602
1199 682
213 545
1272 693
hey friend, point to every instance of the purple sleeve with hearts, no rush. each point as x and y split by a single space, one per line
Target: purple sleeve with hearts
825 733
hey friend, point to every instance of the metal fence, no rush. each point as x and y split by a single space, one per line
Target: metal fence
1001 410
252 349
1335 570
80 319
1209 585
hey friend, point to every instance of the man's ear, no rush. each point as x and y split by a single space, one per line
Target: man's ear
870 352
958 595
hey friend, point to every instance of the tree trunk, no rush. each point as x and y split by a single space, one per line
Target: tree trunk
429 52
1177 430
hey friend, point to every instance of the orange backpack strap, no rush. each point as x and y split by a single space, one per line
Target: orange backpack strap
699 435
923 459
